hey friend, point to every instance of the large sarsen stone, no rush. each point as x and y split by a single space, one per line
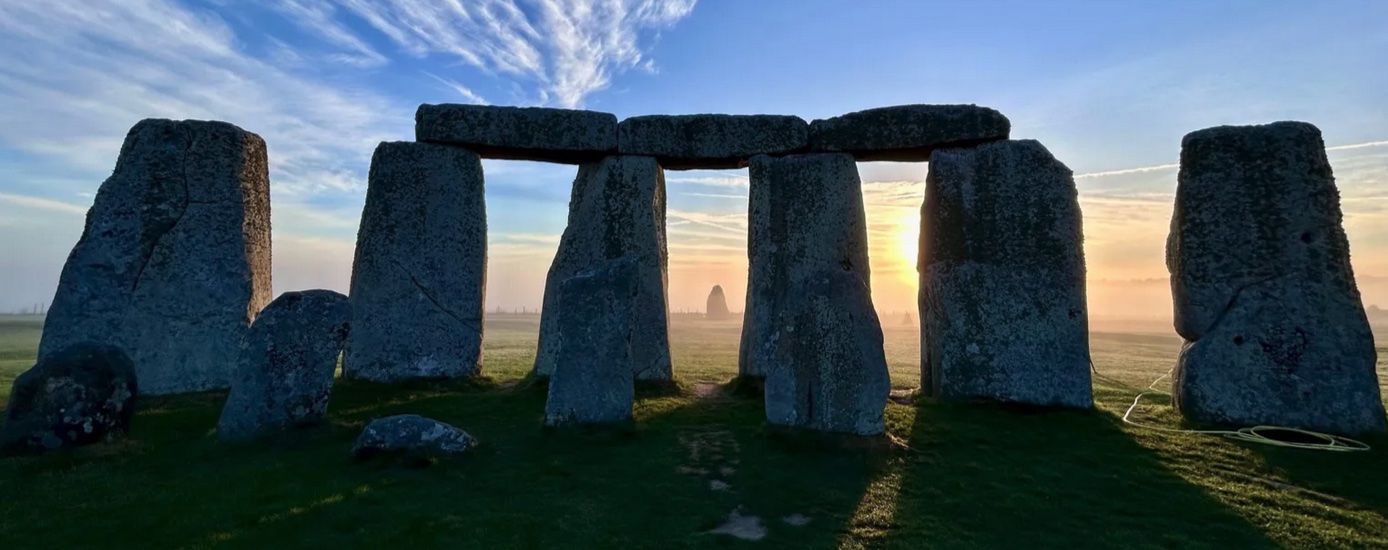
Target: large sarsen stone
907 132
1002 278
174 261
419 275
520 133
593 373
1263 288
686 142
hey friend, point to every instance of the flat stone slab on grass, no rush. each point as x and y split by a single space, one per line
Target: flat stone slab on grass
696 142
1002 292
567 136
617 209
174 261
907 132
78 395
285 371
411 436
593 376
1263 287
419 275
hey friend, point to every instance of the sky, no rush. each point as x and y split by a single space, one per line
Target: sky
1109 87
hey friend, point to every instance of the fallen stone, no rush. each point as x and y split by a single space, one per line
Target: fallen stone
1263 288
520 133
699 142
908 132
1002 278
411 436
78 395
617 209
174 261
419 276
831 371
593 373
284 374
746 527
717 304
808 211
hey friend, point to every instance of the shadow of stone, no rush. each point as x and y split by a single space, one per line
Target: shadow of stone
989 475
1356 477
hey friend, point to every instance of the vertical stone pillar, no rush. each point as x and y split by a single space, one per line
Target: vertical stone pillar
1002 295
617 209
174 261
1263 289
592 379
419 275
815 331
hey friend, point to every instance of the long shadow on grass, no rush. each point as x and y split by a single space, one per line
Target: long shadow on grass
987 475
1341 479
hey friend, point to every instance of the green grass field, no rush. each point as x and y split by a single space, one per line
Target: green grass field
971 475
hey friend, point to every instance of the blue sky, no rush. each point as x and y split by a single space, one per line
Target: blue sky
1107 86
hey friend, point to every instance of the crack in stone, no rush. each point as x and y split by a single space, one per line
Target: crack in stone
429 296
187 200
1234 299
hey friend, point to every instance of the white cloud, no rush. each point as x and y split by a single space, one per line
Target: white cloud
43 204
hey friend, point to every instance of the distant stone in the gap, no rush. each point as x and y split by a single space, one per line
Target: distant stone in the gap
285 371
419 275
717 305
617 209
1263 288
78 395
593 375
1002 278
174 261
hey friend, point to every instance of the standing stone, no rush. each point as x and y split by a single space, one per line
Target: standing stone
593 372
717 306
617 209
174 262
285 372
419 275
1002 295
831 373
1263 288
805 214
908 132
78 395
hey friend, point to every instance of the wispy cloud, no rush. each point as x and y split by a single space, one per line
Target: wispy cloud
43 204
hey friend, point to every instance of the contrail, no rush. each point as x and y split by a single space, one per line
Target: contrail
1159 167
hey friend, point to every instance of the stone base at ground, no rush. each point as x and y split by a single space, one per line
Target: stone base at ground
617 209
1263 288
831 369
1002 292
174 261
593 375
78 395
419 275
284 375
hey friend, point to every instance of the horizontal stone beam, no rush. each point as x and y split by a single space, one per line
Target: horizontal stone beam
908 132
565 136
697 142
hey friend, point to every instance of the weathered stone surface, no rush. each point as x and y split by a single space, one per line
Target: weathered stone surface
284 375
617 209
907 132
174 262
520 133
1263 288
805 214
1002 278
688 142
77 395
716 307
831 370
593 371
419 276
411 435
